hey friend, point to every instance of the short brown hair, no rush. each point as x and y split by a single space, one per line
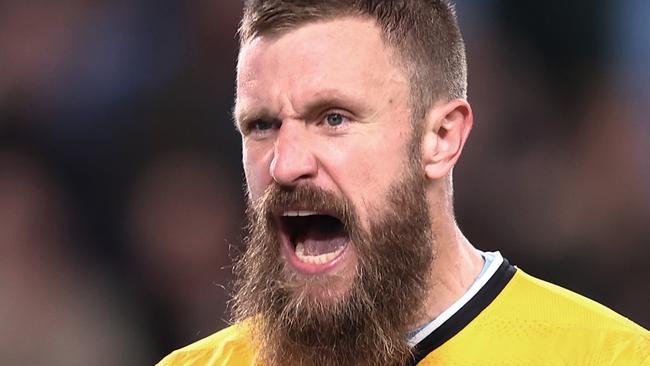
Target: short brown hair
425 34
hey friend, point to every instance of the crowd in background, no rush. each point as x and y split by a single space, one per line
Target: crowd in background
121 198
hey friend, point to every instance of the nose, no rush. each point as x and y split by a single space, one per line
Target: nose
293 159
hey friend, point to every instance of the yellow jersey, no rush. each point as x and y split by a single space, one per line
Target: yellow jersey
514 319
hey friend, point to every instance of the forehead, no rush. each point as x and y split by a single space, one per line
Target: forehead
343 55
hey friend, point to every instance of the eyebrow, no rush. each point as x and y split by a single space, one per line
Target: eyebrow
254 114
319 102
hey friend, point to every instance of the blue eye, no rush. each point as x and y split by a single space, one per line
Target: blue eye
334 119
261 125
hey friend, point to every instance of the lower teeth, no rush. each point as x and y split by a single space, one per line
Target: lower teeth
316 259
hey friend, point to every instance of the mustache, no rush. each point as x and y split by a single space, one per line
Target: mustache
305 197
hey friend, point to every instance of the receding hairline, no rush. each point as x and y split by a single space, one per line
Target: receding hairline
276 33
396 55
247 34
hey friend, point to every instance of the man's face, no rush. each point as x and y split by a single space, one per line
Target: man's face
325 105
339 247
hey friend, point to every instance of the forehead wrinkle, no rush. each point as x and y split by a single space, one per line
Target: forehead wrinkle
298 93
357 91
263 111
329 98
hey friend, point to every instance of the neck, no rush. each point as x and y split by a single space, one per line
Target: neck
456 266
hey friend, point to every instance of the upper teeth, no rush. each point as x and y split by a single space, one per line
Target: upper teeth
299 213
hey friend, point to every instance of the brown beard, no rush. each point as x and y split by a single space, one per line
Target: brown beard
368 324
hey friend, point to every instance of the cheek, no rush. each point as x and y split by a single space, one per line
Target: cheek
250 183
381 158
366 169
255 173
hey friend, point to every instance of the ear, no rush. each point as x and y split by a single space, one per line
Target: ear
447 127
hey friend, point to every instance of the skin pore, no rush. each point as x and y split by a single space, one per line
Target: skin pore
326 105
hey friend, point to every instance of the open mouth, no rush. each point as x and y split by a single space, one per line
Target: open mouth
315 238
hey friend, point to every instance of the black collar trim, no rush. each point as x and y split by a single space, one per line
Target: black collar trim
465 314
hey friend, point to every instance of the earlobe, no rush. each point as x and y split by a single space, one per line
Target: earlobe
447 127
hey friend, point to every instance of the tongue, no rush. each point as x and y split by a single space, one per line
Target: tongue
315 247
321 235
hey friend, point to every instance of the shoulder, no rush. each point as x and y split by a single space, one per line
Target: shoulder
545 313
534 298
230 346
533 322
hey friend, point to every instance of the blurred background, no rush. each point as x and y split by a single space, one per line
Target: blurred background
121 187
